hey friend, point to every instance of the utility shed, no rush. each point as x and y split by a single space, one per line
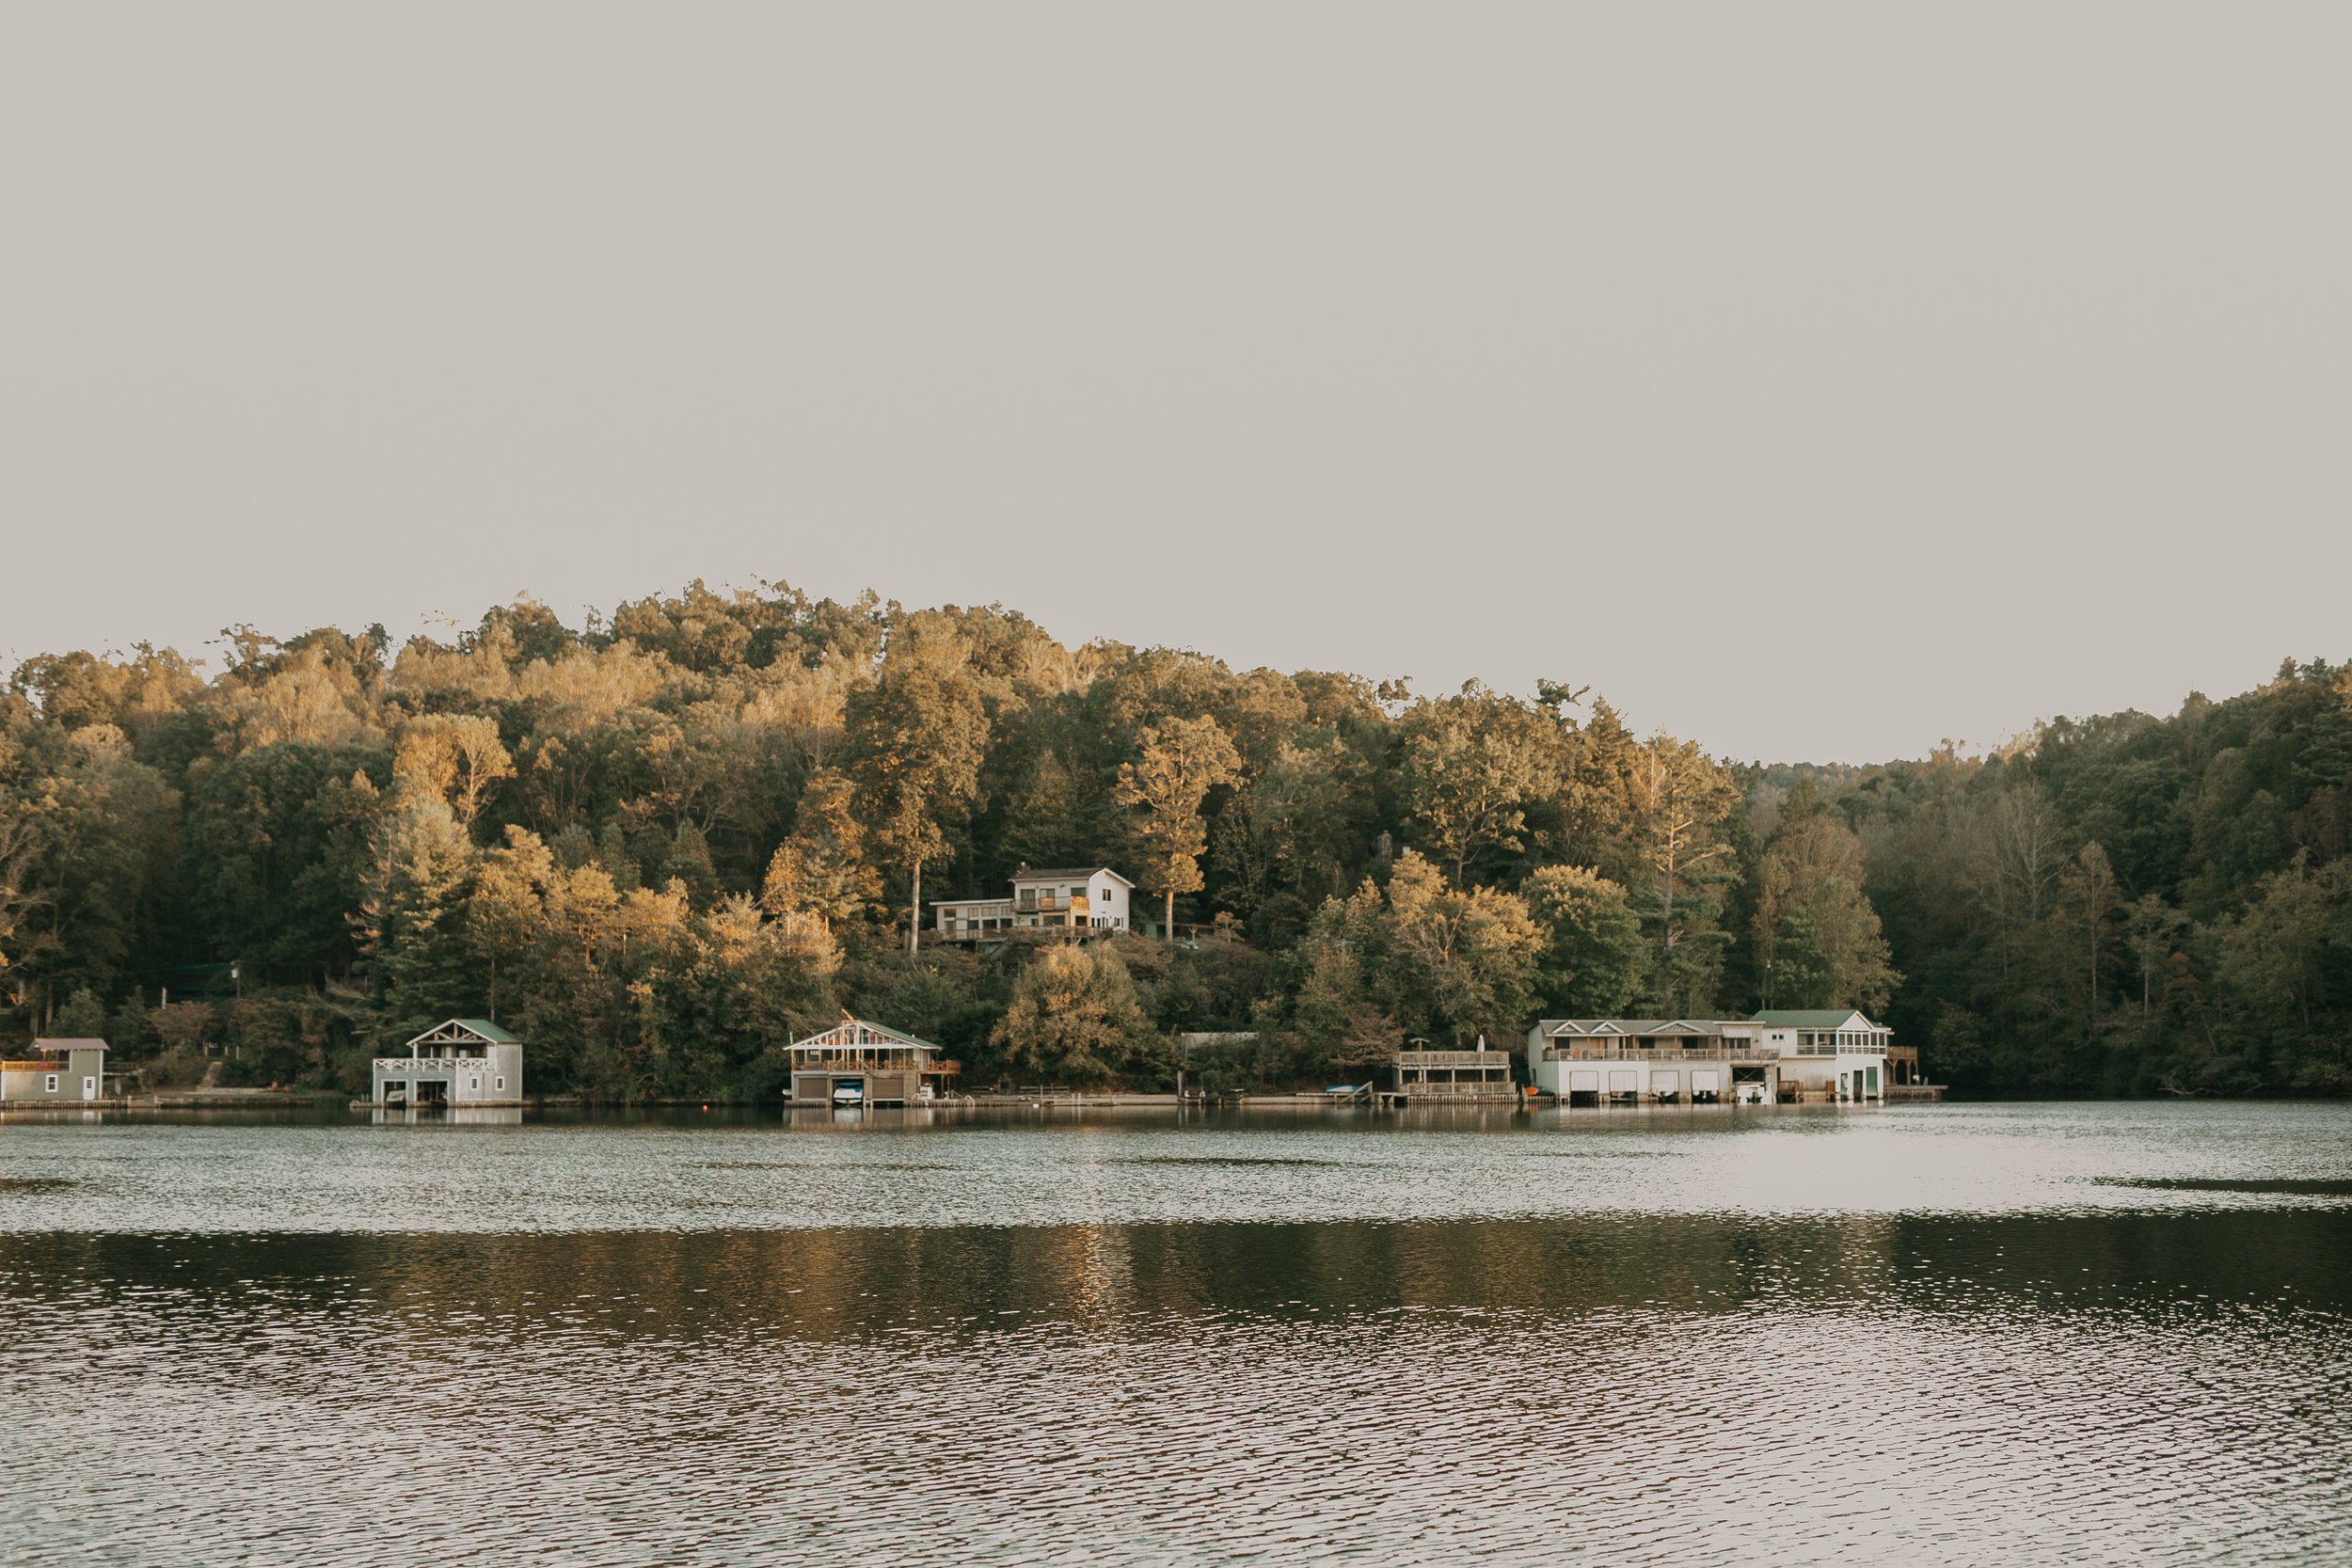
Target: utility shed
464 1061
58 1071
857 1063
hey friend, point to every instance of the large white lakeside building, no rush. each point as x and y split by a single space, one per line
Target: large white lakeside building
1827 1054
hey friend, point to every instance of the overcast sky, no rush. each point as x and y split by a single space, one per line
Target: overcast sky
1816 380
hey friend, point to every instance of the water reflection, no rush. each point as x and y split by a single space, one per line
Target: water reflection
446 1116
2117 1373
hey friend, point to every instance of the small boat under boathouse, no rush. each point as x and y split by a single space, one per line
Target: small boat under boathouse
857 1063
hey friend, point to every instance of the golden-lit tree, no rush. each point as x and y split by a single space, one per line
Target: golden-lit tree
1177 763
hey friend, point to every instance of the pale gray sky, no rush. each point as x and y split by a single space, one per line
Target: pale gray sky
1816 380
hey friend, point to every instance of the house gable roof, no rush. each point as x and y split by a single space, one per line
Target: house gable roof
1811 1018
1068 873
1588 1027
465 1031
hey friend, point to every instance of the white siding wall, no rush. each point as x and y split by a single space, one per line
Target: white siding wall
1106 898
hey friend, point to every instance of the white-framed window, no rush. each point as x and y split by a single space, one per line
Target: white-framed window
50 1085
502 1083
474 1083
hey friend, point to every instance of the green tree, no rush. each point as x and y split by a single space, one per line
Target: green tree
17 893
1471 951
1178 762
1334 1014
184 1026
413 918
2087 892
1073 1017
1810 880
506 913
2290 959
1595 960
1468 767
915 739
82 1017
821 871
2154 931
1285 841
1677 798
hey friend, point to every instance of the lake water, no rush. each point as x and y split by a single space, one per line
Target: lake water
1963 1334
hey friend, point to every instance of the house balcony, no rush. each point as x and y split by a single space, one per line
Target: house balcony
1586 1051
1464 1060
431 1066
1074 904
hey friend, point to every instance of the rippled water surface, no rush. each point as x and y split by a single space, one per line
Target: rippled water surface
1958 1334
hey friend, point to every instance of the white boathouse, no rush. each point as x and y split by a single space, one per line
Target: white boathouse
1773 1057
465 1061
856 1064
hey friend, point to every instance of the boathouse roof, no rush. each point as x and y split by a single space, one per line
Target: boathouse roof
856 1033
60 1047
1585 1027
456 1030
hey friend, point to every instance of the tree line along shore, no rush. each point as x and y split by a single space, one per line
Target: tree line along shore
664 844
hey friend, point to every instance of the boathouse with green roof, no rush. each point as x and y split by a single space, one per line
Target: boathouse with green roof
464 1061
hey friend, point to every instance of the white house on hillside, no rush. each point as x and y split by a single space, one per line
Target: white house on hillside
1084 899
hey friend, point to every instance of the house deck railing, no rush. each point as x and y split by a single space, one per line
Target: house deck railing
1037 903
1590 1052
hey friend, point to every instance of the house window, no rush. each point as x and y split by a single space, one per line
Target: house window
474 1083
502 1083
50 1086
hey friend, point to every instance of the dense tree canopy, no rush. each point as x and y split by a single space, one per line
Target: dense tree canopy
664 844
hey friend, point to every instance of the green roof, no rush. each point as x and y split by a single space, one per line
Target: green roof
1808 1018
487 1030
899 1034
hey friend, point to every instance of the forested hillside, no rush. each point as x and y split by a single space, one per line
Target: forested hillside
664 843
